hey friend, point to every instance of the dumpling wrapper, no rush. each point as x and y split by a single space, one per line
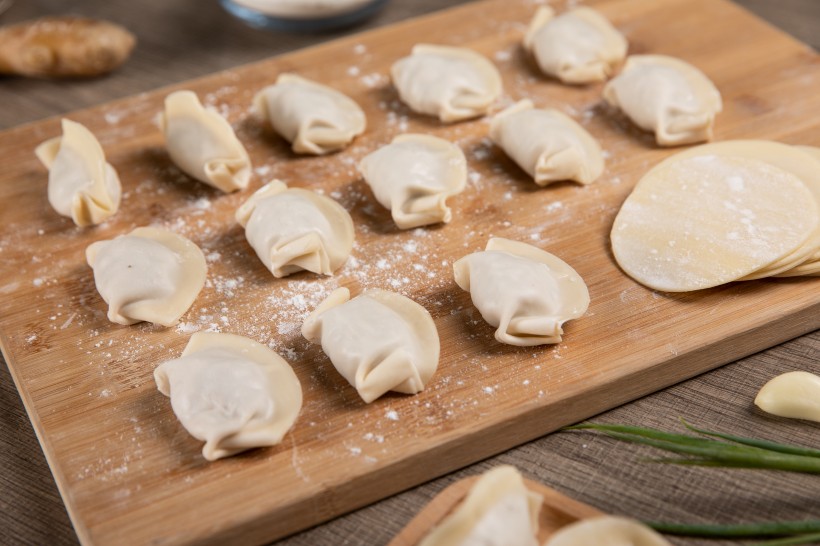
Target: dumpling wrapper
498 510
666 96
292 230
606 531
793 394
379 341
81 184
315 118
703 218
413 176
523 291
549 145
579 46
203 144
150 275
452 83
231 392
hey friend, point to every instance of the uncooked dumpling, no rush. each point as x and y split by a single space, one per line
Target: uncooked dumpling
81 185
294 230
453 83
379 341
149 275
719 213
578 46
523 291
413 176
231 392
606 531
547 144
667 96
202 143
498 510
315 118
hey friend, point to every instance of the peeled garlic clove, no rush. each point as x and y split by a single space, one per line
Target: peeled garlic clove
606 531
792 394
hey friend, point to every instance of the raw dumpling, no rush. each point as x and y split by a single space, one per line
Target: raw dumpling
202 143
547 144
792 394
523 291
579 46
150 274
453 83
413 176
81 185
606 531
315 118
498 510
379 341
294 229
667 96
231 392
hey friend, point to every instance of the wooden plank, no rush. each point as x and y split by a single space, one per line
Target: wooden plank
126 468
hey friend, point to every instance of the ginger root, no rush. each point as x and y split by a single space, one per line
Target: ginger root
54 47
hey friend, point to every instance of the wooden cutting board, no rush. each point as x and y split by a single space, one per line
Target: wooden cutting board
127 470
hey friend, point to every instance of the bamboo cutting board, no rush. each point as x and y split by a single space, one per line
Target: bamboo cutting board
127 470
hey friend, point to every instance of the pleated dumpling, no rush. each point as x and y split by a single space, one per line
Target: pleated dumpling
150 275
667 96
203 144
523 291
81 185
453 83
547 144
498 510
231 392
379 341
607 531
579 46
292 230
413 176
315 118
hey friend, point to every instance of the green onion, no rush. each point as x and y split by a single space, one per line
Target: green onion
738 453
768 529
813 538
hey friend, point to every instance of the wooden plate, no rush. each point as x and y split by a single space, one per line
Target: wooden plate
557 511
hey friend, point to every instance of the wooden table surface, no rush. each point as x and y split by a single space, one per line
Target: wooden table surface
188 38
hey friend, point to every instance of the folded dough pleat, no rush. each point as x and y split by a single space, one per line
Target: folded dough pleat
81 184
395 372
303 253
203 144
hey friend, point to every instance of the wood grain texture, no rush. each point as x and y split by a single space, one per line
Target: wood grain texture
556 511
352 535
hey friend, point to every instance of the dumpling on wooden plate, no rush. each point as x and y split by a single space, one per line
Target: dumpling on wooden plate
579 46
549 145
150 274
413 176
498 510
523 291
315 118
452 83
379 341
81 184
666 96
292 229
203 144
231 392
